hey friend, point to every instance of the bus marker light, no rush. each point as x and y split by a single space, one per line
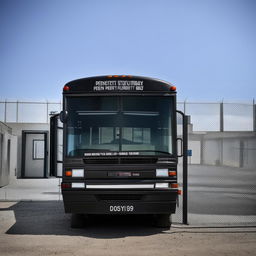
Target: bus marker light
174 185
66 88
172 173
173 88
68 173
109 76
162 185
77 172
161 172
115 76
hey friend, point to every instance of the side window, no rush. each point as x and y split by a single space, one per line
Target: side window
38 149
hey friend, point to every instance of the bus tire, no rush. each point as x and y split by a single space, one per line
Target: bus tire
163 220
78 220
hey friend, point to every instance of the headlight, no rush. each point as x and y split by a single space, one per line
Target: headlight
78 173
162 173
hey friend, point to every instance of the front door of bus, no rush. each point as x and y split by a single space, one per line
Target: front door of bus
34 154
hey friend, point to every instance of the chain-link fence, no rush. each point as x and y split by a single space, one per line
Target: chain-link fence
27 112
215 116
222 162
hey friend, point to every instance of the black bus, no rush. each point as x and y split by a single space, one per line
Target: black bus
119 148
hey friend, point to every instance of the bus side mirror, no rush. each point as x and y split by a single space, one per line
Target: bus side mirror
64 116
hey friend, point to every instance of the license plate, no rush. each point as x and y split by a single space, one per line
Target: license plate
121 208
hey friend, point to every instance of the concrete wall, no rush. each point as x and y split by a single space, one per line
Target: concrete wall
249 153
195 146
7 159
17 129
14 153
234 149
211 152
231 152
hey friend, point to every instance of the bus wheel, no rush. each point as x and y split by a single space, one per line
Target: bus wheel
78 220
163 220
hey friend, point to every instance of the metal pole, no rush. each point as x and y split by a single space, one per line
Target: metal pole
185 167
17 112
221 117
47 112
185 170
254 115
5 111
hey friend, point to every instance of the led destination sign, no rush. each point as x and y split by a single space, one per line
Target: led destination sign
118 85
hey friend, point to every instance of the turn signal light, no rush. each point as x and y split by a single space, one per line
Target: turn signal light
174 185
179 192
172 173
173 88
68 173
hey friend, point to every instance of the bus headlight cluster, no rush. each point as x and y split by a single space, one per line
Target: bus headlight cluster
167 185
77 173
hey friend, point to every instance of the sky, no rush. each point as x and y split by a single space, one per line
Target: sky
206 48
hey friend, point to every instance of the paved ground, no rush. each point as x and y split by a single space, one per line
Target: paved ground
31 189
41 228
222 190
221 195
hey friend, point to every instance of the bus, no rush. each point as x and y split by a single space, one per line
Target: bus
119 147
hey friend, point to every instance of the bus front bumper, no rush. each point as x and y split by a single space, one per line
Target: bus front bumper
120 202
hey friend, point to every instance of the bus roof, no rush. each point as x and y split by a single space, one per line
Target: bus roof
118 83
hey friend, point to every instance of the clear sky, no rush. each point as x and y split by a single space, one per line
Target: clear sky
207 48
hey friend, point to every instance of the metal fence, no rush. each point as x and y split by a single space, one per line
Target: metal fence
27 112
220 116
214 116
222 170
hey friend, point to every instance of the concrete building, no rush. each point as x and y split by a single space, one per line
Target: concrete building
8 154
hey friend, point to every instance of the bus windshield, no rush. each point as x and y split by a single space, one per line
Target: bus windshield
141 124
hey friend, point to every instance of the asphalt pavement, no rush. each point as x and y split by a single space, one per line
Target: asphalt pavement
40 228
219 190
